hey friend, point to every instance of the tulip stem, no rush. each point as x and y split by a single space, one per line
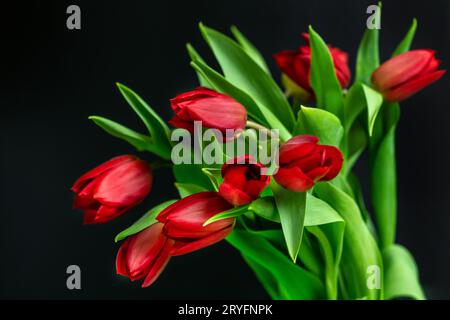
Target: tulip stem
257 126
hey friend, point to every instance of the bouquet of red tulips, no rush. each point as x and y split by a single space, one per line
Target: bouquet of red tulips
271 171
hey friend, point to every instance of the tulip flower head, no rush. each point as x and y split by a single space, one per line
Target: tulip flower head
215 110
296 65
303 162
179 230
404 75
243 180
109 190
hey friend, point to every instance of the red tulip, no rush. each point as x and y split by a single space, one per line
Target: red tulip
242 183
304 162
144 255
109 190
297 65
185 218
179 231
404 75
215 110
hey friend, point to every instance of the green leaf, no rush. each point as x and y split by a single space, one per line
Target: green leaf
265 277
383 173
140 141
318 212
291 208
282 278
156 126
320 123
244 73
195 56
357 142
186 189
265 208
232 213
360 250
214 175
374 101
328 227
192 174
324 81
249 48
256 110
405 44
384 189
401 275
368 59
145 221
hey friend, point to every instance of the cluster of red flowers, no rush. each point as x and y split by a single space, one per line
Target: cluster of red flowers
397 79
121 183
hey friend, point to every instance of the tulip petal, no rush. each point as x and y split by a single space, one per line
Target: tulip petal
235 196
183 124
142 250
192 216
218 112
255 187
125 185
293 179
297 147
179 232
334 160
102 214
181 248
159 264
121 265
184 203
108 165
401 68
408 89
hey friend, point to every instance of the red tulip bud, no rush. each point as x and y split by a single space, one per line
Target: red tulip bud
297 65
213 109
303 162
242 183
404 75
144 254
109 190
179 231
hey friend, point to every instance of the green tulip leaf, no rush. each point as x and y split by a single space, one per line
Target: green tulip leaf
140 141
405 44
145 221
214 175
249 48
384 188
324 81
320 123
401 275
359 251
192 174
282 278
158 129
374 101
291 208
255 110
241 71
368 58
265 208
186 189
232 213
195 56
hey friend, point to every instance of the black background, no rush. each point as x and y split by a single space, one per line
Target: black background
53 78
